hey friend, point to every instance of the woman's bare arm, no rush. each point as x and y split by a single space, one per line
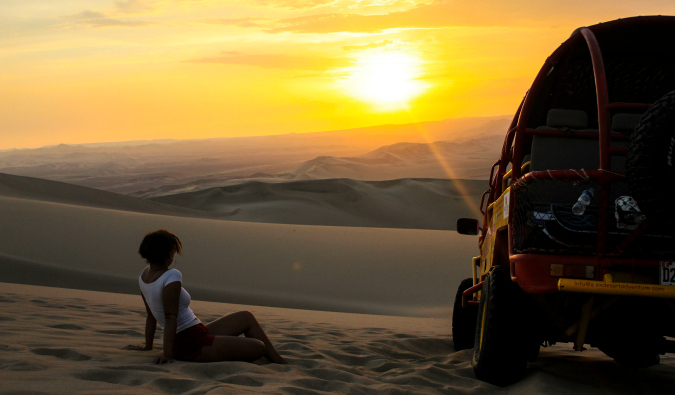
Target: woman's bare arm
170 298
150 328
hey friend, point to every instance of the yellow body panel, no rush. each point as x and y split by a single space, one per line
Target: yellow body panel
498 218
612 288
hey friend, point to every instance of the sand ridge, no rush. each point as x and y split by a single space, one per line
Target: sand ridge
402 203
31 188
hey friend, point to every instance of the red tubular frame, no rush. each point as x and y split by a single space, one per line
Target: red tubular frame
531 271
469 293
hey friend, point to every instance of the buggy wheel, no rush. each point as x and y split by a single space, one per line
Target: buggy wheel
463 319
650 168
501 346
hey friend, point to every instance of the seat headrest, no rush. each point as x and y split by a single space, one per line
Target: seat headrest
625 123
573 119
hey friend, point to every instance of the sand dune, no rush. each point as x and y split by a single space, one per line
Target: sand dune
74 341
406 203
366 270
59 192
442 159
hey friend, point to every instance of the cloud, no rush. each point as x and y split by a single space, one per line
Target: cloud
438 14
98 20
276 61
378 44
240 22
133 6
295 4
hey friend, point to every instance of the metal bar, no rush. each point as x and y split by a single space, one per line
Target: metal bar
475 261
470 292
603 129
580 174
482 199
616 105
575 327
572 134
630 239
584 260
602 95
613 288
583 324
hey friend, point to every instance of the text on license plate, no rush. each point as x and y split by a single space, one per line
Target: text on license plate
667 273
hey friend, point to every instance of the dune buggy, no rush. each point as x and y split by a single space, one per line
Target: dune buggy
598 120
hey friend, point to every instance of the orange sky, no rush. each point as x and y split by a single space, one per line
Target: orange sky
114 70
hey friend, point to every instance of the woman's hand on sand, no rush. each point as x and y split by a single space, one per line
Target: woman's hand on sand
137 347
162 360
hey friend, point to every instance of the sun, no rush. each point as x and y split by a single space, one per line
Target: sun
387 80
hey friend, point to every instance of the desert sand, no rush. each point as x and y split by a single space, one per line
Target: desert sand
82 242
354 308
68 341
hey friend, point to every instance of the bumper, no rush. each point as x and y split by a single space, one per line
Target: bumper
532 272
612 288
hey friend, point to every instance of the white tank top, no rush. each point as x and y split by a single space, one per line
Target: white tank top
153 296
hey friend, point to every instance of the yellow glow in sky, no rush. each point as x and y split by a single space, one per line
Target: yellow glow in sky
84 71
387 80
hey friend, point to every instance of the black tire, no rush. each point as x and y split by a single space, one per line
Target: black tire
631 354
649 162
502 347
634 343
463 319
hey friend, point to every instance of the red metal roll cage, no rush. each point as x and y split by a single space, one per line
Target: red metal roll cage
534 276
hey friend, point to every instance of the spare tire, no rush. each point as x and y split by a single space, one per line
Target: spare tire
649 166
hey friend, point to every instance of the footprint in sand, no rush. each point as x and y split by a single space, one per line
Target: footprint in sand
63 353
21 366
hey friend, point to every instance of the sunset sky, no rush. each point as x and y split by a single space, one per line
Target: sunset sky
74 71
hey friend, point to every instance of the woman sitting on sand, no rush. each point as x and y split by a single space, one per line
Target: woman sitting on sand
185 337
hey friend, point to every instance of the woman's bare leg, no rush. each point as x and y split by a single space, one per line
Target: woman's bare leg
232 348
245 323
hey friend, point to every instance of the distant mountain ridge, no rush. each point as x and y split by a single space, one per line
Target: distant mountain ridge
441 159
153 168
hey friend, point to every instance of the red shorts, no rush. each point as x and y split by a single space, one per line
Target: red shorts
189 342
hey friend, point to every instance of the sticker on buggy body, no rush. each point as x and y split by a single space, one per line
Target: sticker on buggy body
667 273
506 204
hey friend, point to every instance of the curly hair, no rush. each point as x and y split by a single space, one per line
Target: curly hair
158 246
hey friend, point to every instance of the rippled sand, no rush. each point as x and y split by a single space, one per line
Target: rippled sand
63 341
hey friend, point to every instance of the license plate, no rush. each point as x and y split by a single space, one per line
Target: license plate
667 273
